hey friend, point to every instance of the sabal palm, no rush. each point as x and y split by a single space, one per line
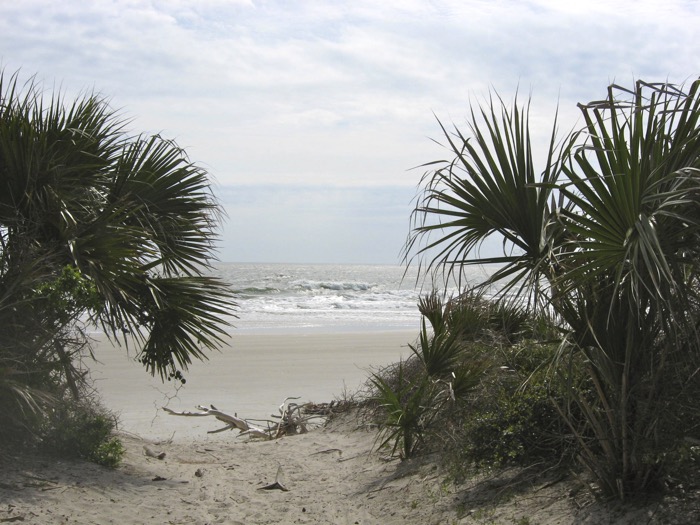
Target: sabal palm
610 223
131 213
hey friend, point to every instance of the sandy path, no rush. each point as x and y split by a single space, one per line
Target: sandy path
330 474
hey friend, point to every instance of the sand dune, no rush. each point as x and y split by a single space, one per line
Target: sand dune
333 474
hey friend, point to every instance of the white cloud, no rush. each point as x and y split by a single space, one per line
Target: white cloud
340 93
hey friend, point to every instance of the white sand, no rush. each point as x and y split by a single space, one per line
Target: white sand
333 475
251 377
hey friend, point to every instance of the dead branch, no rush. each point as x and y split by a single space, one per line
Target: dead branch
292 419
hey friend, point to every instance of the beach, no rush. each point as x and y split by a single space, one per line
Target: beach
334 474
304 335
251 376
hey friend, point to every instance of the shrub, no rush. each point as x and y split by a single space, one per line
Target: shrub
443 369
408 407
82 431
109 453
512 418
516 426
477 387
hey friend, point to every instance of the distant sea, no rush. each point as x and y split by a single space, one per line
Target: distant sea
326 297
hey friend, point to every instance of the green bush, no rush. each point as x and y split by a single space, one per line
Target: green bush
480 387
513 417
516 427
82 431
109 453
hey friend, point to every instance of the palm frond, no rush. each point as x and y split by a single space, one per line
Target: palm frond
491 189
133 214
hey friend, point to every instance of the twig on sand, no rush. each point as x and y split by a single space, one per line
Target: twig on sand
277 485
328 451
292 419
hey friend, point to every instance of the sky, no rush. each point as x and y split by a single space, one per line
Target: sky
311 117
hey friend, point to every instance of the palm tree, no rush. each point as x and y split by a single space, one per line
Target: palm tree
131 215
605 236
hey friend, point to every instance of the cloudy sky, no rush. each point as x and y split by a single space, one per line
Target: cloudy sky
310 115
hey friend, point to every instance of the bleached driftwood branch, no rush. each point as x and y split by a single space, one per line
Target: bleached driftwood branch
291 420
231 421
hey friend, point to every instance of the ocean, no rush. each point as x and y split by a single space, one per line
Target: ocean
327 297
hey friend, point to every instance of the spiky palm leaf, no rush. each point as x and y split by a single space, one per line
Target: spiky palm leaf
408 407
611 222
132 214
491 189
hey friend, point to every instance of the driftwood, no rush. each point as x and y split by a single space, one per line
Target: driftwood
292 419
153 453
